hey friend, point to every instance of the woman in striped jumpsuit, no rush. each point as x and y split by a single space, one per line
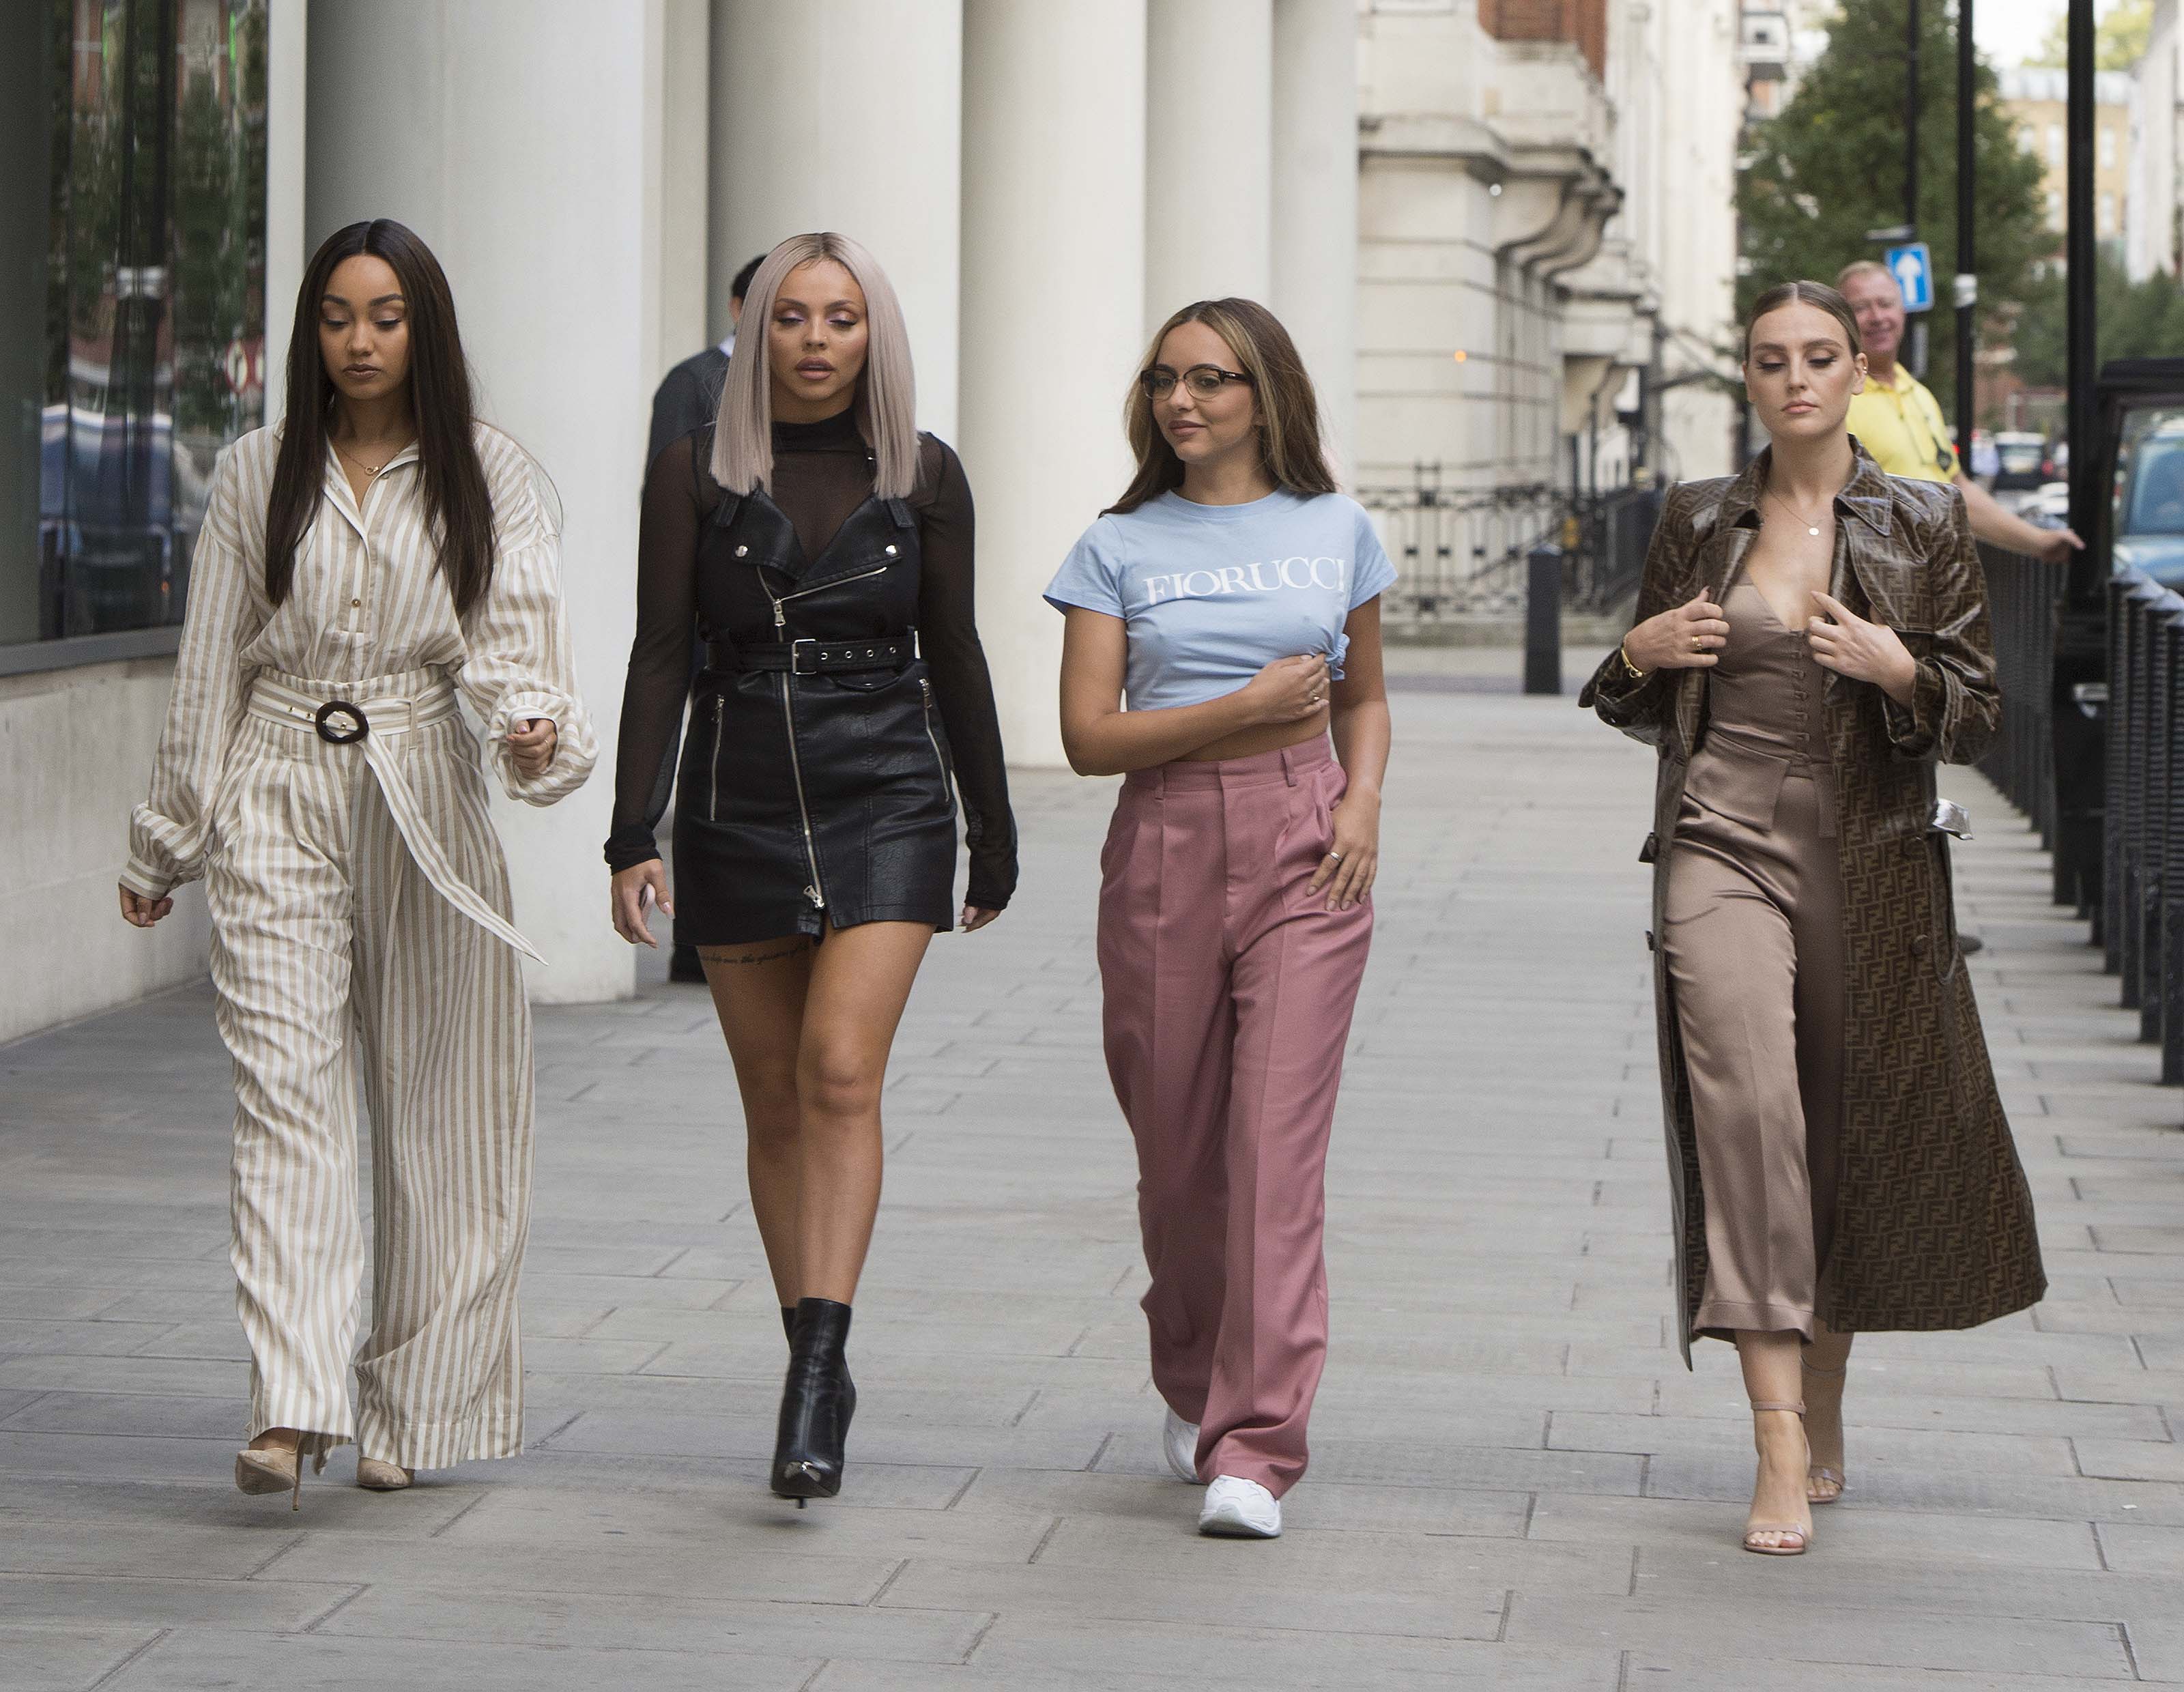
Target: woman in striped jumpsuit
363 565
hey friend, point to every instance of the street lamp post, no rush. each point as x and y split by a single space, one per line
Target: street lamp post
2081 657
1911 113
1916 350
1967 288
2079 258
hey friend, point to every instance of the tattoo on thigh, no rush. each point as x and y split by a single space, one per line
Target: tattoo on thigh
736 954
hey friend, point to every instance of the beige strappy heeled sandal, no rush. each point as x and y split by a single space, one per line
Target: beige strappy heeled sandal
1820 1471
1802 1534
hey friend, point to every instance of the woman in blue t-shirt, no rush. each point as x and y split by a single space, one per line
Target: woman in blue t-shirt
1231 596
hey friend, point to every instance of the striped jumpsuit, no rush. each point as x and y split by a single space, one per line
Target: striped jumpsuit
361 914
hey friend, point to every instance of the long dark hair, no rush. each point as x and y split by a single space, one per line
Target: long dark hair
456 500
1290 448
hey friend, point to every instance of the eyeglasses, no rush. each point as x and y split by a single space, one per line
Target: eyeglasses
1204 380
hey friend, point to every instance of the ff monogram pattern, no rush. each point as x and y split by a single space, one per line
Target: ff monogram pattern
1934 1226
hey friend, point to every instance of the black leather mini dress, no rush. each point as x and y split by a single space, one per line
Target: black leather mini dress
816 787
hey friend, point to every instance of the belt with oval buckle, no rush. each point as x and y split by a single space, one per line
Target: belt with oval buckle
342 708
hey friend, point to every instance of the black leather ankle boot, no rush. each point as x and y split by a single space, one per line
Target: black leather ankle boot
807 1450
848 1386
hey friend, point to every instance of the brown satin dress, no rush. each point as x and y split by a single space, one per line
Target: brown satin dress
1753 935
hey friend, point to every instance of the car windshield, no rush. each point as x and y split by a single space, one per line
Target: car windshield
2149 490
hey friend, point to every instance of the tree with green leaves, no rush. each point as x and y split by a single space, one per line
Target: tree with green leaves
2119 39
2143 319
1829 166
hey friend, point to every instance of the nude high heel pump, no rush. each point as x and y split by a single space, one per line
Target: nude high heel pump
1821 1471
374 1476
271 1469
1802 1534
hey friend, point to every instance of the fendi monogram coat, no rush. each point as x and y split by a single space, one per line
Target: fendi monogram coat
1934 1227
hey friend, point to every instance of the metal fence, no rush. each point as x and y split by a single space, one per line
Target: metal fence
2138 919
2143 845
2023 594
1461 553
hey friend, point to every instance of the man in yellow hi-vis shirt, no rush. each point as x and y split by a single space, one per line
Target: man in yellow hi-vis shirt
1897 418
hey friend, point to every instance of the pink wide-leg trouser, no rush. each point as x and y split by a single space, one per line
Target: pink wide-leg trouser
1228 992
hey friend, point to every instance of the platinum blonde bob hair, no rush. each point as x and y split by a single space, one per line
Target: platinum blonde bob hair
886 402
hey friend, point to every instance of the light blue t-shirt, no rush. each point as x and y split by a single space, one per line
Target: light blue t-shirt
1211 594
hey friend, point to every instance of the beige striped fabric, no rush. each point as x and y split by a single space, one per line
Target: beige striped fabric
337 955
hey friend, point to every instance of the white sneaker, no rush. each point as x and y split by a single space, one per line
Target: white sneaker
1239 1509
1179 1440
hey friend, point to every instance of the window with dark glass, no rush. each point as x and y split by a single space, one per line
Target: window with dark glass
132 309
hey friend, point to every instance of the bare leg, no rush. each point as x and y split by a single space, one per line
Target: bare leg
860 979
1771 1370
759 992
1826 1361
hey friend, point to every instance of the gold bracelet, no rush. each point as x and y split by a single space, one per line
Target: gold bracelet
1630 670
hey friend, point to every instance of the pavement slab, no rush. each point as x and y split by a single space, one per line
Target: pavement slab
1515 1485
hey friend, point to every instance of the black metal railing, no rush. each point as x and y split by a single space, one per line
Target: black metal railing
1461 552
1614 529
2022 595
2142 838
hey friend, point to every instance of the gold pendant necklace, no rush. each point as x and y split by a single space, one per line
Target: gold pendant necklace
370 471
1811 528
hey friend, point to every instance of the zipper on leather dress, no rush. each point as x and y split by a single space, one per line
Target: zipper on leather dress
947 782
713 798
817 893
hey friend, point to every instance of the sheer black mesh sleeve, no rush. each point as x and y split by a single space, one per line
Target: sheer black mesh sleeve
948 638
659 681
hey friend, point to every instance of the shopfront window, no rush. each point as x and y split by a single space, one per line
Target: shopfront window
136 350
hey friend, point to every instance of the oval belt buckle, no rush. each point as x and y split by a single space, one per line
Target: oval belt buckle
345 708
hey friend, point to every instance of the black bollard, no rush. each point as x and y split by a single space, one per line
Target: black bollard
1543 620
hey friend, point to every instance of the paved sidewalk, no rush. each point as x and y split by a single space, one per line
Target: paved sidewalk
1515 1484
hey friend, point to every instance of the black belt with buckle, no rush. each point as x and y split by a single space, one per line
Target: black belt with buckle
342 708
815 657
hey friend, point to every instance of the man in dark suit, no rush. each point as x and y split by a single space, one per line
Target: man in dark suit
688 397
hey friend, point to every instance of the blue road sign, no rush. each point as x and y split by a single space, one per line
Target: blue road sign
1912 267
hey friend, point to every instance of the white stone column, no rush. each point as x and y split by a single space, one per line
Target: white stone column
846 114
520 139
1054 221
1314 230
684 134
287 36
1209 93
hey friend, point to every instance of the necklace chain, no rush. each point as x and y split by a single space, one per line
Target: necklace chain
1812 527
370 470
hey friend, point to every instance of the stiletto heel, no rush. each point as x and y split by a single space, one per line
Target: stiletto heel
273 1468
1803 1534
1817 1472
808 1452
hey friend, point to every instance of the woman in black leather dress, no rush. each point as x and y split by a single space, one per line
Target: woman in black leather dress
822 548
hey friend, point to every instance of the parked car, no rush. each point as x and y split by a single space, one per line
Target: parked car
2022 461
2049 507
2148 508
